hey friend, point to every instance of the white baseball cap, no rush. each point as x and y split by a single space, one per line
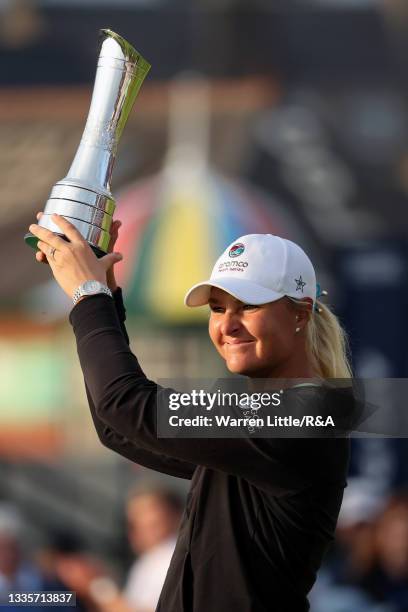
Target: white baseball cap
257 269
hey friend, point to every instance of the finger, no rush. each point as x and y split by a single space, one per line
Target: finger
114 233
44 260
46 251
110 259
68 229
39 215
115 227
47 236
40 256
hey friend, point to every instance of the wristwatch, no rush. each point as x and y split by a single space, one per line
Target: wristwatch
90 287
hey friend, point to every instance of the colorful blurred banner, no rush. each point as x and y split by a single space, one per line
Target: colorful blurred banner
32 396
43 409
174 230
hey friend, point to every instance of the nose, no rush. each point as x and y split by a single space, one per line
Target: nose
230 323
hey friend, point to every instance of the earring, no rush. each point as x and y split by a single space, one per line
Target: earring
297 329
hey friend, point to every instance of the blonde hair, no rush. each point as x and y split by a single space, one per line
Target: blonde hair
326 342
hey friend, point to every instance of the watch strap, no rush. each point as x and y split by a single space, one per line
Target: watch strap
80 293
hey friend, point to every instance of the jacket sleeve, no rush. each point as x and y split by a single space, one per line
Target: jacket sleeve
118 442
126 401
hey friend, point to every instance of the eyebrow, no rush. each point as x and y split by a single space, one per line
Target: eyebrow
215 302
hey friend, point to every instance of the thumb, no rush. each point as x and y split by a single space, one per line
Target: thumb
110 259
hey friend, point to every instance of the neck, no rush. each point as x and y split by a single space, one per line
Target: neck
294 371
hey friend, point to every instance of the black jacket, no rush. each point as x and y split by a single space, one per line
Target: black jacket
260 513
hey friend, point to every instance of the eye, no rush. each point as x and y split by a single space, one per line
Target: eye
249 306
214 308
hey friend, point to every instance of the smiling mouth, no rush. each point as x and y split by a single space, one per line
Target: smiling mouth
240 343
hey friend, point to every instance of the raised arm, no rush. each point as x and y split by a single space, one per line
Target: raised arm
119 443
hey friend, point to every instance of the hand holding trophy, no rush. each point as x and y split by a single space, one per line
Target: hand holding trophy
110 273
84 196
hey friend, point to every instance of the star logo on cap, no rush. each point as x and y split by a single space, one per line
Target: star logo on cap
300 283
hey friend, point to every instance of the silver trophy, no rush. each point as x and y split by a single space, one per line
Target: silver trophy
84 195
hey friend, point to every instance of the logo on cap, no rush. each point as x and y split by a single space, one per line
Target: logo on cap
300 283
236 250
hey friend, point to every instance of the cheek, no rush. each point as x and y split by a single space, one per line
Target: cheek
213 331
273 338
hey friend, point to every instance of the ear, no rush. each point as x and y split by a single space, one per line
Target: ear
303 314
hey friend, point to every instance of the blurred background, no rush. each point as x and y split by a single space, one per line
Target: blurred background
280 116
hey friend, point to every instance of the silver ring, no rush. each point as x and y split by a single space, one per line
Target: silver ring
52 252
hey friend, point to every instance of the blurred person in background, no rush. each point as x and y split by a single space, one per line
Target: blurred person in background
339 585
370 570
261 512
63 558
153 517
355 549
386 580
17 571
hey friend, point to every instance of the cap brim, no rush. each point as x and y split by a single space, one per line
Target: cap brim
243 290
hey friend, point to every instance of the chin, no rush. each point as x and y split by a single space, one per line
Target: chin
236 367
252 370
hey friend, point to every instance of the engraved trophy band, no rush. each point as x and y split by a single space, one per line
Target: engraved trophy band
84 195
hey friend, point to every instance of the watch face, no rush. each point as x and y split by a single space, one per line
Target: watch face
91 286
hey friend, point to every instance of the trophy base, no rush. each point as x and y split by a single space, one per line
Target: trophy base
32 240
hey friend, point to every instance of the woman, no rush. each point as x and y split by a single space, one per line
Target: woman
261 512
